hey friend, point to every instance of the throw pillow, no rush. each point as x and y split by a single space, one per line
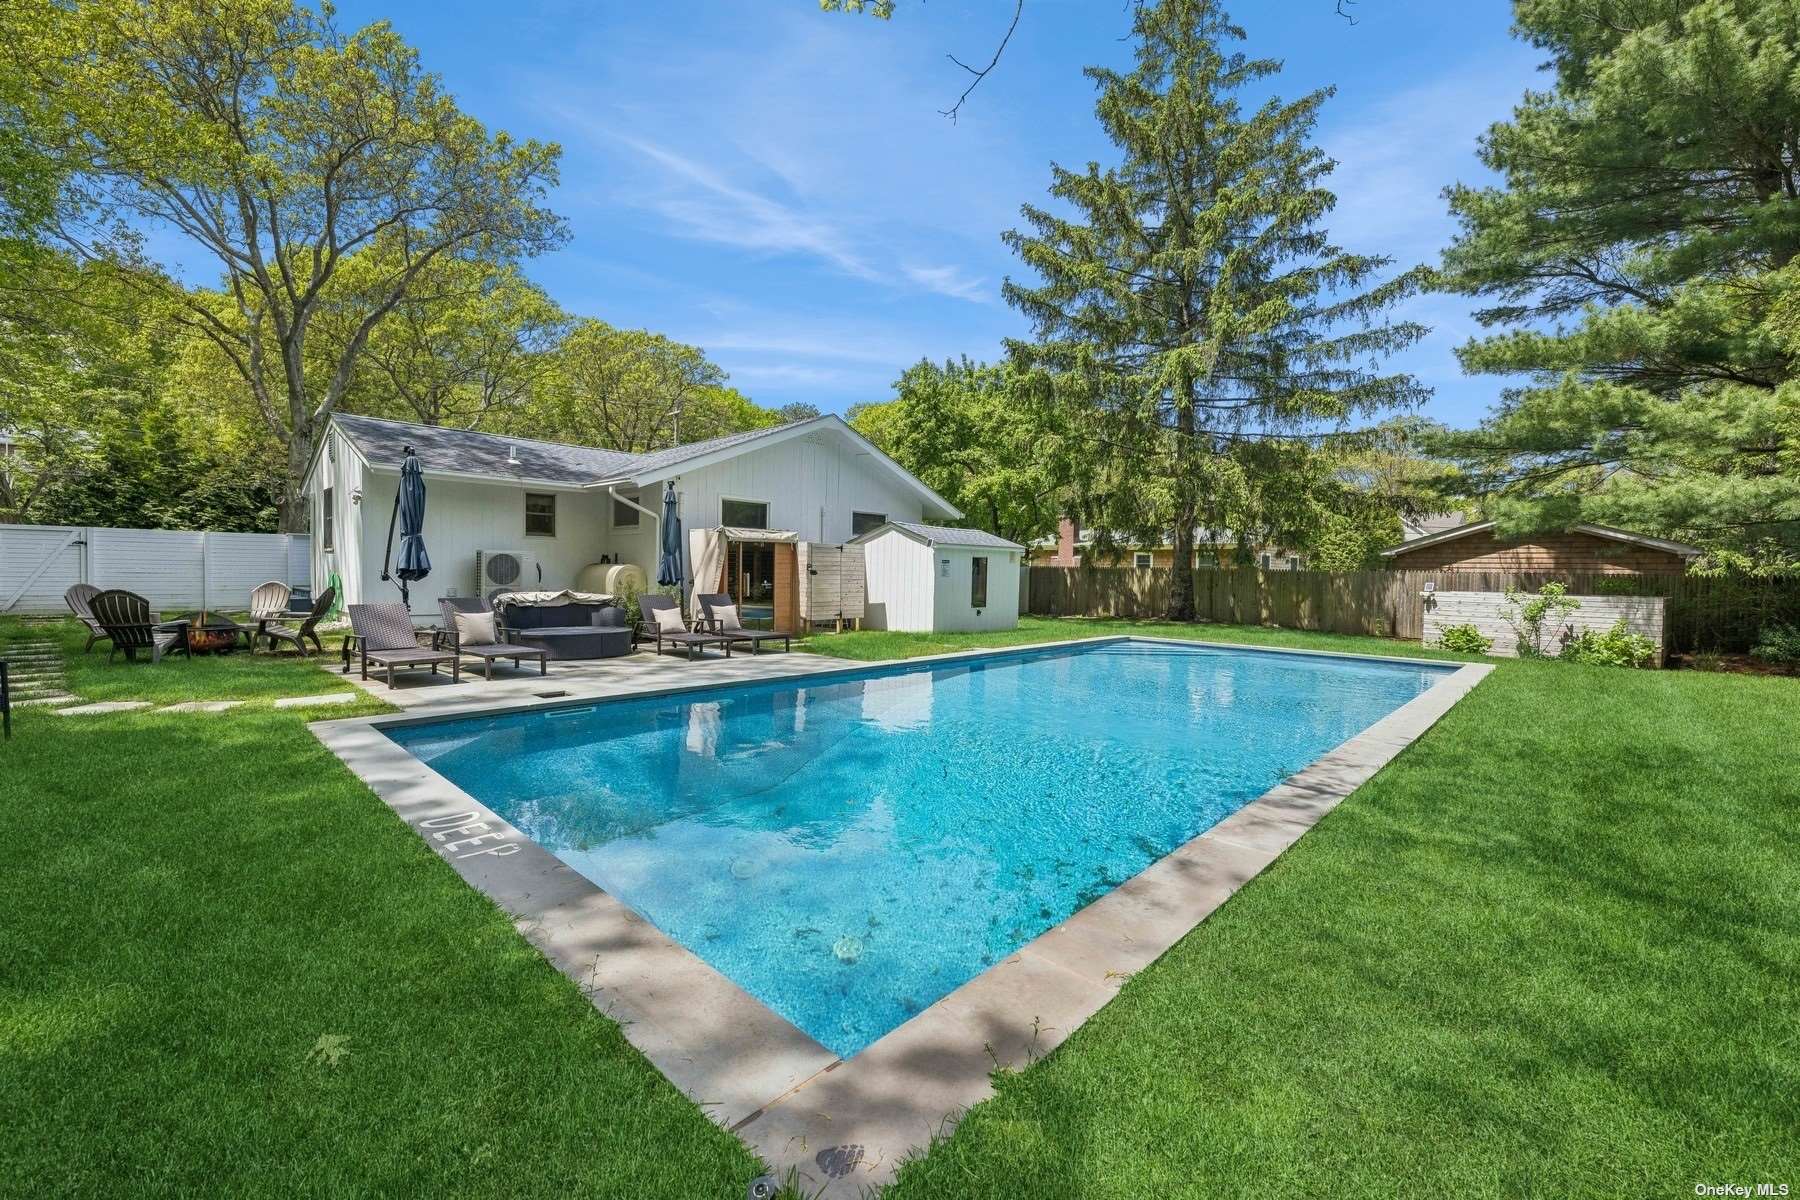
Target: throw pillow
476 629
726 616
669 620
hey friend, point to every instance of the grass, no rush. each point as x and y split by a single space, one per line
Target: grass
236 676
192 901
1553 949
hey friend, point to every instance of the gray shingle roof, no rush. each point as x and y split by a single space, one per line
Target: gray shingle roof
944 535
464 452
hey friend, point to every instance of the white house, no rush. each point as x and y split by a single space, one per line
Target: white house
561 508
932 579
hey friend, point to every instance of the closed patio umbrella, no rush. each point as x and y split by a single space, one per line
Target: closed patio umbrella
668 566
409 513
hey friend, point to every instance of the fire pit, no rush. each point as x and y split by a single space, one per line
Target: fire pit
211 633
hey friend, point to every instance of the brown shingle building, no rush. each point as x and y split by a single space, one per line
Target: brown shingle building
1585 550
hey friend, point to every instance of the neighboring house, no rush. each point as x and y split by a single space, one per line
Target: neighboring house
1212 548
1418 527
560 508
1584 549
932 579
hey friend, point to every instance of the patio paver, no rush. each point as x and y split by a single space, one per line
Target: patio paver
311 701
104 706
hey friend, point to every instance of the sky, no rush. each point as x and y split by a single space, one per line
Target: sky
775 184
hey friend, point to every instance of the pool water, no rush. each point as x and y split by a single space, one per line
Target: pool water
849 849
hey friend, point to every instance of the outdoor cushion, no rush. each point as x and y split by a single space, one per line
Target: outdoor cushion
726 615
669 620
476 628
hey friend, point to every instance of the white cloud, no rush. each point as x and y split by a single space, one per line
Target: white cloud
951 281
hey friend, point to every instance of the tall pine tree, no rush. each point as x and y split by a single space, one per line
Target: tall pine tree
1194 325
1641 264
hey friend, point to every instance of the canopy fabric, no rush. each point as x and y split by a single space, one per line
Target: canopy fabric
668 566
707 548
734 533
409 515
547 599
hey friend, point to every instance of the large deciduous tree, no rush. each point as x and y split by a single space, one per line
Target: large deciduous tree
1640 259
630 389
279 147
963 429
1194 323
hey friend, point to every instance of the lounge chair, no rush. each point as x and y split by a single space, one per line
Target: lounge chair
679 634
126 619
736 632
80 600
487 652
385 637
299 634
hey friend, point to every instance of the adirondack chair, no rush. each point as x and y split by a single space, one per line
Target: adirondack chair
306 631
79 599
125 617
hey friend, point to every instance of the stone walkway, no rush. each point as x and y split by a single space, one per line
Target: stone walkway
201 706
35 672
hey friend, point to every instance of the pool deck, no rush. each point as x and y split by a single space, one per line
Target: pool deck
844 1125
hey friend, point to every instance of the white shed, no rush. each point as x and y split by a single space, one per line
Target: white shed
934 579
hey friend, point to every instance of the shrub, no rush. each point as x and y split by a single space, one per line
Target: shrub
1617 647
1464 639
1777 644
1527 614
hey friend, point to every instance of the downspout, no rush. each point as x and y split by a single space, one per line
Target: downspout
613 491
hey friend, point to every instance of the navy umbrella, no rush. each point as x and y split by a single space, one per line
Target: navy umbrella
668 566
409 513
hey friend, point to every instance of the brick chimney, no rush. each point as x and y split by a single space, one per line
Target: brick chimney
1066 535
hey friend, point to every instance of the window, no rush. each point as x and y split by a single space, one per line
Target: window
978 583
861 522
1141 559
540 514
1294 563
744 514
325 522
624 516
1267 561
1206 560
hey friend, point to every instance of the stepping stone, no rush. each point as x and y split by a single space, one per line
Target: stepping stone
204 706
64 699
309 701
105 706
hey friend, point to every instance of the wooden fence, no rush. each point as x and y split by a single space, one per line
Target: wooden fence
1701 614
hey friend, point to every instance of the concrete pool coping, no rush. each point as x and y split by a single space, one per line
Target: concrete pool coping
844 1125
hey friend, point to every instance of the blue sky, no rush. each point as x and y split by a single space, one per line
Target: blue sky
775 184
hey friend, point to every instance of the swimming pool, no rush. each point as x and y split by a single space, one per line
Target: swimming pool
850 848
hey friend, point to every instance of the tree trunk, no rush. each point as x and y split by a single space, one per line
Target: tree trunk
1181 577
293 514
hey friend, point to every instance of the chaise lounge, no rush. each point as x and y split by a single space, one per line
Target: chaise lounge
721 616
662 617
385 637
490 648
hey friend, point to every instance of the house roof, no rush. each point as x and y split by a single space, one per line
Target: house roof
943 535
1418 527
443 451
1601 531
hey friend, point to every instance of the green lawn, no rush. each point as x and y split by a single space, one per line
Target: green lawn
1553 950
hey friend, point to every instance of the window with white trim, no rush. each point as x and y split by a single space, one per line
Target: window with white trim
744 514
326 525
862 522
540 514
624 516
1142 559
978 576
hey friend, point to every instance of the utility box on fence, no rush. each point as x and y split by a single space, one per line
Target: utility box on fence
1487 612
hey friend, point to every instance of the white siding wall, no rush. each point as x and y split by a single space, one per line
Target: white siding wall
811 484
463 516
952 573
1487 611
900 588
343 476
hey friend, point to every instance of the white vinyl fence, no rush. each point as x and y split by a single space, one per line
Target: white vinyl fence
1486 611
173 569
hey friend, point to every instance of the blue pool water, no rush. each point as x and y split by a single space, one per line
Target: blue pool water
850 849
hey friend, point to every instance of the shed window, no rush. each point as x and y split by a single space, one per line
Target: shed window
624 516
1294 563
862 522
978 583
1141 559
744 514
326 525
1268 560
540 514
